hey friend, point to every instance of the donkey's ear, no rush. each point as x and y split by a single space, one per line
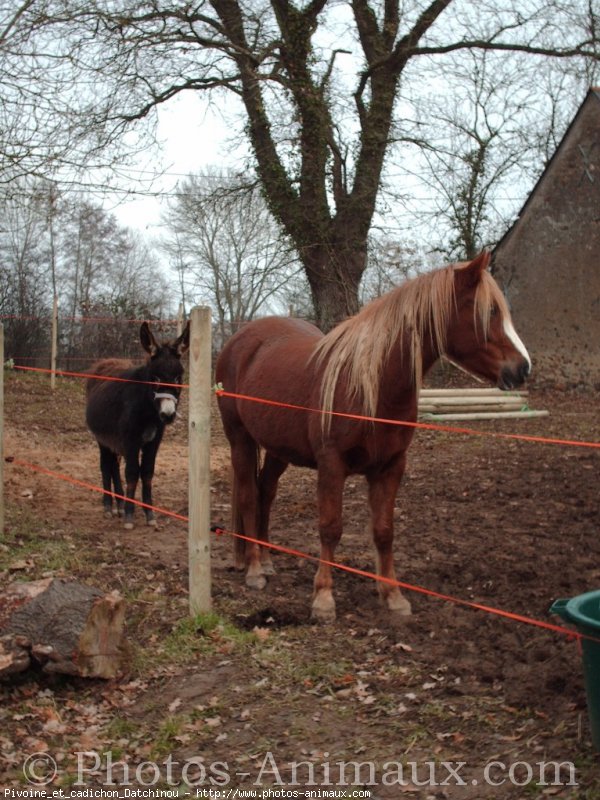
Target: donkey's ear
472 271
182 343
147 339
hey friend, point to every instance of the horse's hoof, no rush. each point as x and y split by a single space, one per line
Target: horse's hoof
256 581
267 567
114 512
128 526
323 609
151 522
399 605
108 514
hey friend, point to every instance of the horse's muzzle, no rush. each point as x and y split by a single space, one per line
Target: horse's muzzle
513 377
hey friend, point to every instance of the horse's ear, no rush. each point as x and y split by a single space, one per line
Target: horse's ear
182 342
473 271
147 339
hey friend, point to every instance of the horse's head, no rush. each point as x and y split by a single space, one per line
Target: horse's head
481 337
165 370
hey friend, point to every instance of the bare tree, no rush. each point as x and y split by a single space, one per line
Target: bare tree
104 276
108 278
24 251
474 151
318 83
228 249
391 262
483 137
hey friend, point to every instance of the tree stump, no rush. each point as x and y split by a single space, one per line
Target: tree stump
62 627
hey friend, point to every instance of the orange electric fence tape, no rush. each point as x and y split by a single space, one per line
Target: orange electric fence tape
363 573
411 587
429 426
96 377
91 487
577 635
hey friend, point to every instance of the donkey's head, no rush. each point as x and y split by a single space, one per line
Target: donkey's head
166 369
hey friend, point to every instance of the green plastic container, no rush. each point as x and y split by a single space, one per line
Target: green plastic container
583 611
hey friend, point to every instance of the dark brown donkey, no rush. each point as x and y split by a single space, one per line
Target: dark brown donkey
129 415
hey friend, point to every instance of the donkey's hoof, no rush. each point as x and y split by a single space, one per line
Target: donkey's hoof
128 525
256 581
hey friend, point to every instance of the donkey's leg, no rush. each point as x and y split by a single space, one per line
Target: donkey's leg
149 451
330 486
107 461
132 474
268 478
383 486
244 459
118 486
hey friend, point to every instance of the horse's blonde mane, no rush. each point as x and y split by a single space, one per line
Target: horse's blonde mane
360 346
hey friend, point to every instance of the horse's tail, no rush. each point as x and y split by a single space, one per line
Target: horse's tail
237 521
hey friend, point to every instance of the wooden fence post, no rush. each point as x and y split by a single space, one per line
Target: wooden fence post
1 429
54 343
180 320
199 460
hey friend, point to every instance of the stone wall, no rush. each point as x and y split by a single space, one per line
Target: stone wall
549 261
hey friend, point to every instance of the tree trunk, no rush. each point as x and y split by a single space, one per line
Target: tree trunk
334 276
63 627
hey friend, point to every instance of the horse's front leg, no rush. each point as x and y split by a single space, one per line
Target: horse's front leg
383 487
244 460
330 486
149 451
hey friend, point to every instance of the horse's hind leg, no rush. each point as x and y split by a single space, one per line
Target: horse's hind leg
268 478
383 487
108 460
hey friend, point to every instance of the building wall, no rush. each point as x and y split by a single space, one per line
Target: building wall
549 261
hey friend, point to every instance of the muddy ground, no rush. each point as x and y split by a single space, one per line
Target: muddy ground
451 703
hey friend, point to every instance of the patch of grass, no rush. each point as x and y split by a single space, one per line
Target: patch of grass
165 740
35 549
121 728
203 633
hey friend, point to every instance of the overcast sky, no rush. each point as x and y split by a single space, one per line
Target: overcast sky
194 138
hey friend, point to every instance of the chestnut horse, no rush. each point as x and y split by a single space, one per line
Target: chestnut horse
128 416
370 364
